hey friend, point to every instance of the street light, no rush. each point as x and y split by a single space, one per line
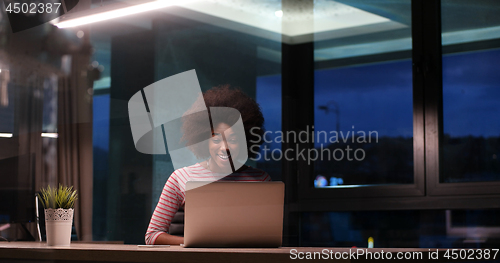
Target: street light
336 110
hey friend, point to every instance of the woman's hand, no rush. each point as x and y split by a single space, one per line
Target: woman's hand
167 239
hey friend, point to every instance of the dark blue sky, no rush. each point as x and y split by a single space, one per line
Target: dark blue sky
101 122
367 97
378 97
471 94
375 97
269 99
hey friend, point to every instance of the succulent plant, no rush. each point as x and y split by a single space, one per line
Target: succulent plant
62 197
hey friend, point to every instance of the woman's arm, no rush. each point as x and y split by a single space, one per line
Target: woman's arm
167 239
167 206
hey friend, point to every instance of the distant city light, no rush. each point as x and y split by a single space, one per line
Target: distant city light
320 181
334 181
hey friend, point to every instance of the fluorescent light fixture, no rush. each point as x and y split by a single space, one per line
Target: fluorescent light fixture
50 135
5 135
121 12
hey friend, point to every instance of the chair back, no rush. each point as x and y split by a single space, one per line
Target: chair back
177 224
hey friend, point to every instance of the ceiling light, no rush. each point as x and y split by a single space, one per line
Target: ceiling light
135 9
50 135
278 13
5 135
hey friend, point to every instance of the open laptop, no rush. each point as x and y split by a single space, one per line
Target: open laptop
233 214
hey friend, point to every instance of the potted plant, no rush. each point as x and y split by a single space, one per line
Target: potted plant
59 206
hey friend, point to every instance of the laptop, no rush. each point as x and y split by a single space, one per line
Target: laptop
234 214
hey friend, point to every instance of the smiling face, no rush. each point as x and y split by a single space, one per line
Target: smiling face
219 161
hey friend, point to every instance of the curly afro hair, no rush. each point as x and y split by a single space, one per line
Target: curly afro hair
194 125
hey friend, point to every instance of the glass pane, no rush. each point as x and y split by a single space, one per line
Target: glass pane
49 126
223 42
7 103
269 98
363 96
403 229
101 163
50 105
471 116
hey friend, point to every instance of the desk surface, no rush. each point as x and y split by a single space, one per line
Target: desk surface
81 252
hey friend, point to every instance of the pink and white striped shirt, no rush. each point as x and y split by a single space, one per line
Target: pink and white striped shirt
173 194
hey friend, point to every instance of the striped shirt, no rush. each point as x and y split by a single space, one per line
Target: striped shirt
173 194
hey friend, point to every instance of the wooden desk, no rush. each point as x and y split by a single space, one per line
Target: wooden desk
80 252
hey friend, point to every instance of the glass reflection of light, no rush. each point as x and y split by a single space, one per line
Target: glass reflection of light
334 181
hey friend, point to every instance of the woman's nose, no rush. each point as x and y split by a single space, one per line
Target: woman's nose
223 146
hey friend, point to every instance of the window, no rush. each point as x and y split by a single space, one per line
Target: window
471 116
268 95
363 114
363 103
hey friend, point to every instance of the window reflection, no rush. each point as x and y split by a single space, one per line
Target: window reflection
403 229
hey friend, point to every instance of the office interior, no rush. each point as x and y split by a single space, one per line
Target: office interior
410 88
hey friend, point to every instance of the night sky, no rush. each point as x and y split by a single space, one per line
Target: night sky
378 97
471 94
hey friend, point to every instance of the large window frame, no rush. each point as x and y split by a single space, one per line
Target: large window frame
433 100
426 192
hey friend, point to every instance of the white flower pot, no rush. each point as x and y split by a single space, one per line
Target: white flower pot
58 224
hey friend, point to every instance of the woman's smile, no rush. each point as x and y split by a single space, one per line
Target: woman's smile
224 148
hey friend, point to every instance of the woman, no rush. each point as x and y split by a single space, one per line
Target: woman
220 155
